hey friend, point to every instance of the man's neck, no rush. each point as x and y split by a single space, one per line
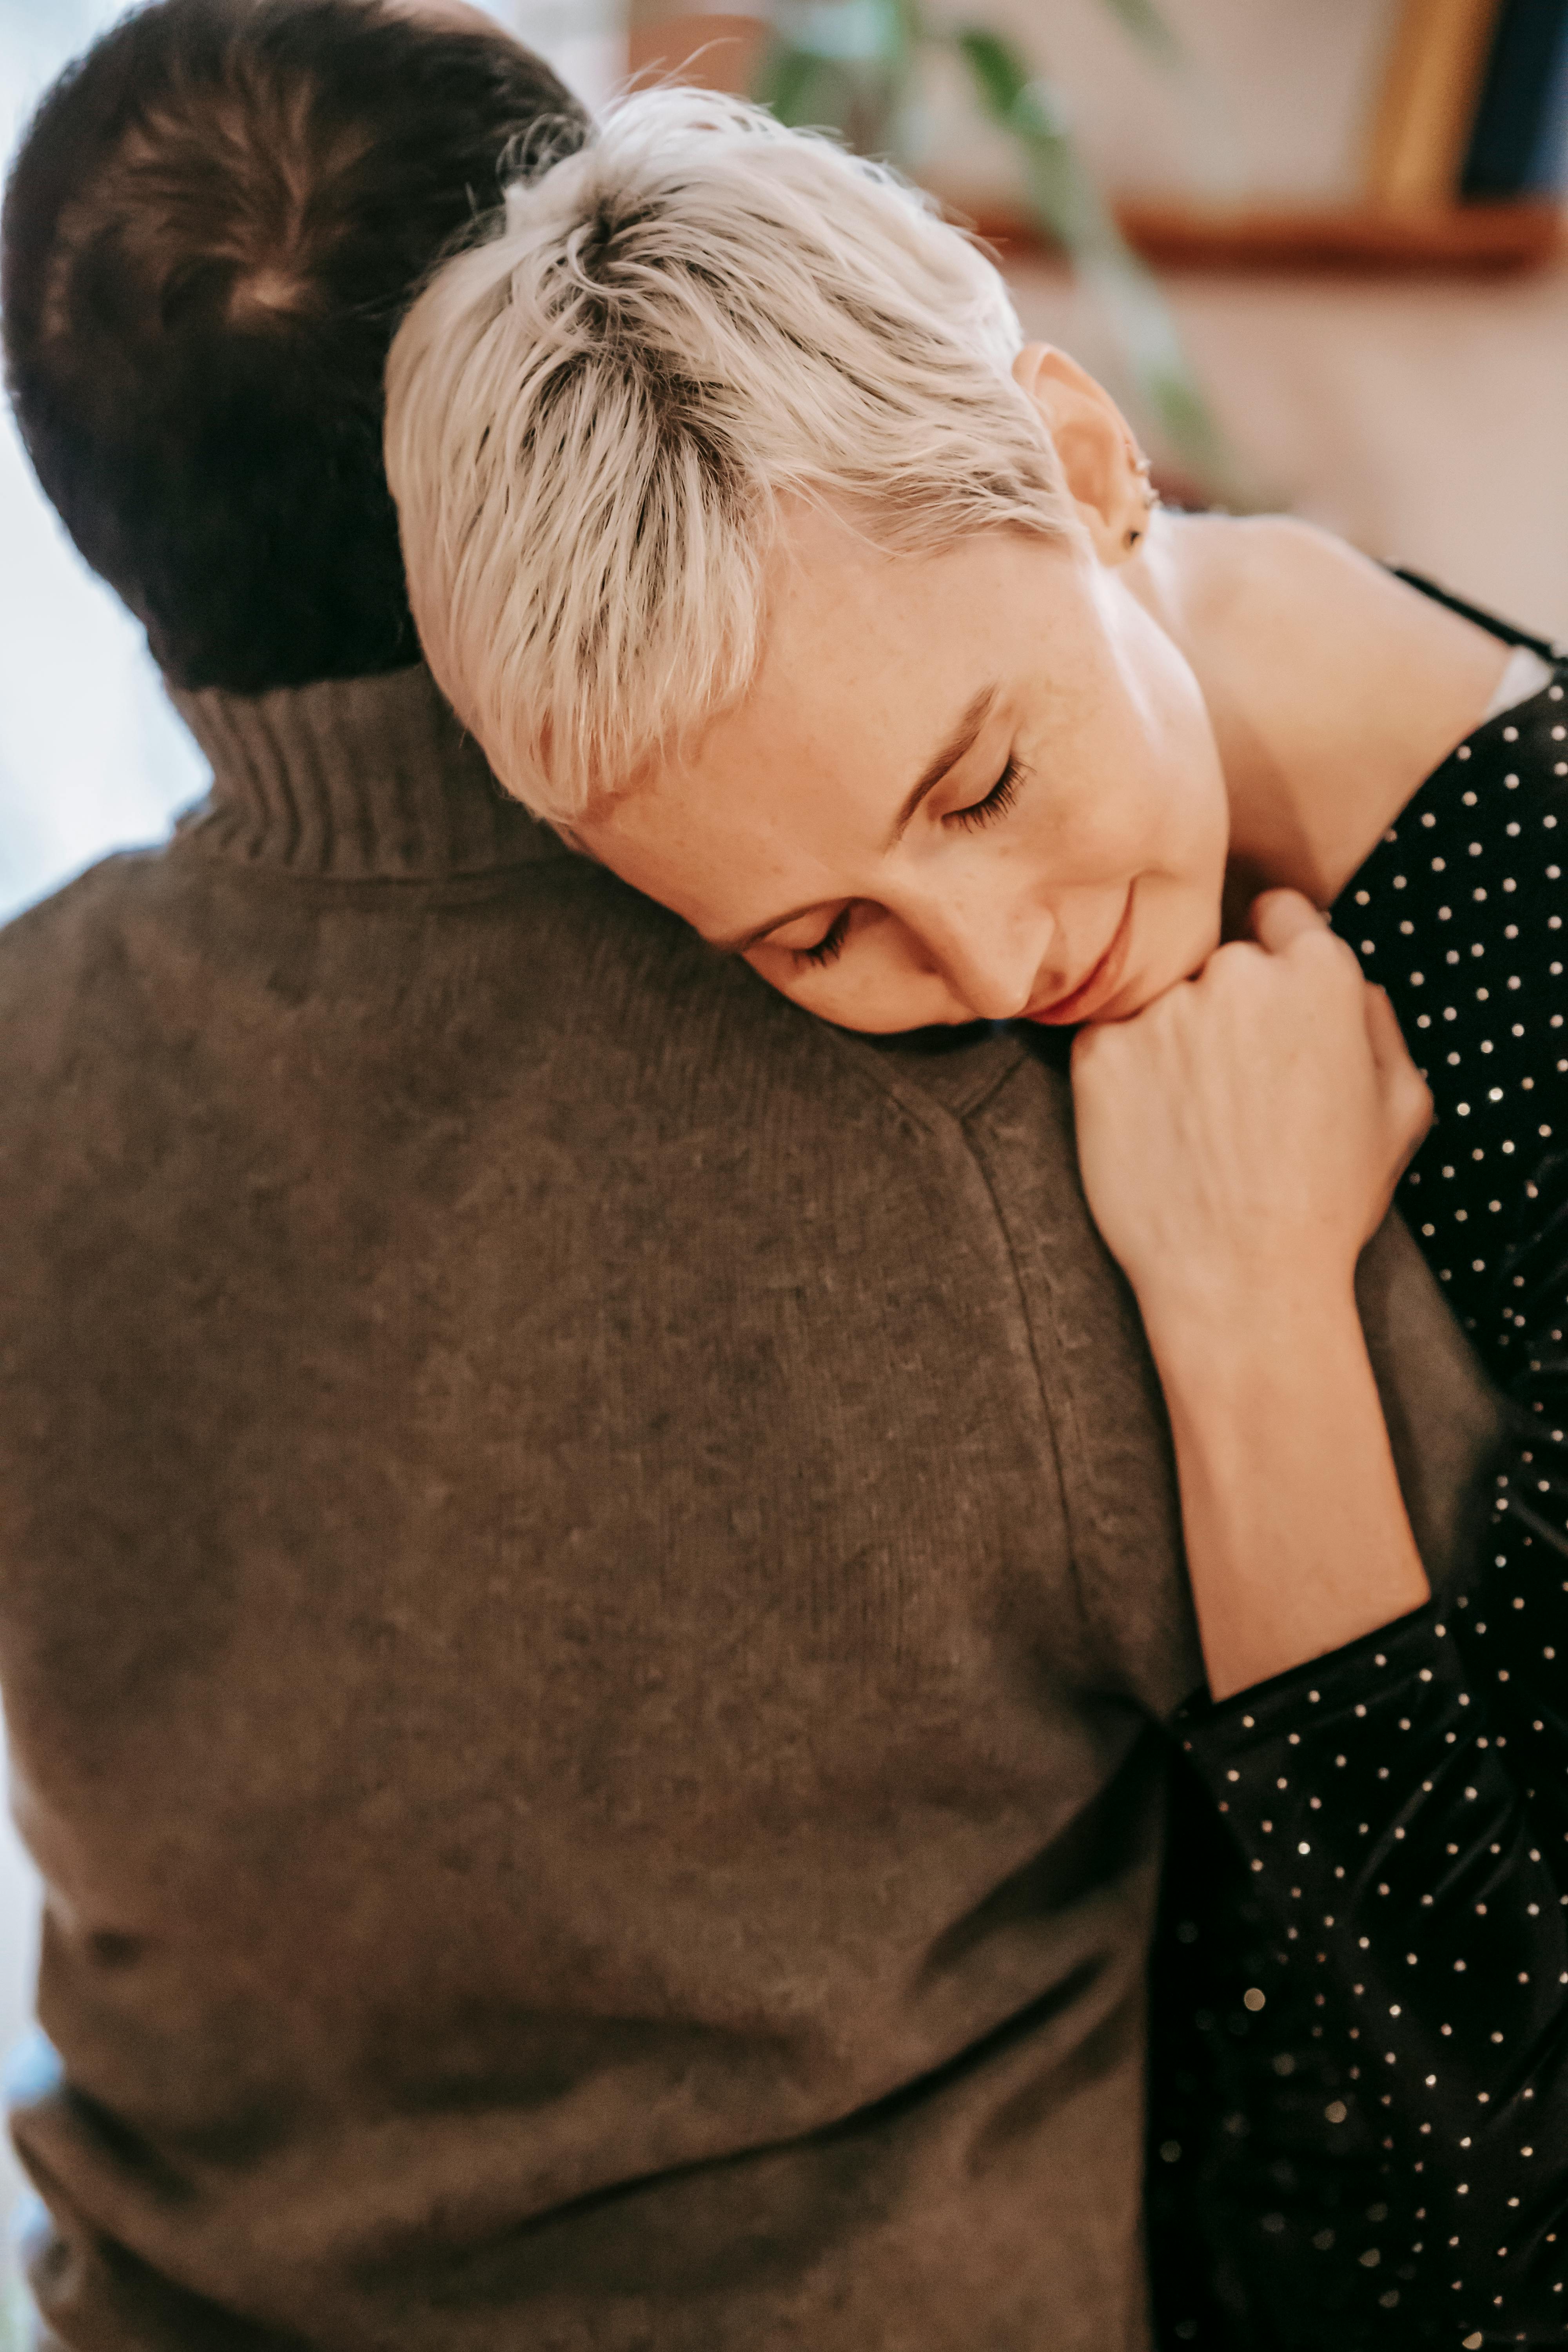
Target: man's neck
1334 688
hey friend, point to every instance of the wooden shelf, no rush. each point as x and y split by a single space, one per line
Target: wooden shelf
1474 238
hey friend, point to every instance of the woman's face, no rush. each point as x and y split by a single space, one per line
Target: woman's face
973 786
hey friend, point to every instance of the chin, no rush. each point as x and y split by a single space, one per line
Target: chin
1141 989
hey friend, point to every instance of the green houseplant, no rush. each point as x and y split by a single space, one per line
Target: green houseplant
852 65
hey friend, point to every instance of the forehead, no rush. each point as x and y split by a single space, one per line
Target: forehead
870 660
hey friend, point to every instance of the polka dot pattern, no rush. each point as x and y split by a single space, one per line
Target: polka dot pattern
1399 1811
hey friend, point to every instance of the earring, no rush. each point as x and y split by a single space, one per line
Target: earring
1151 501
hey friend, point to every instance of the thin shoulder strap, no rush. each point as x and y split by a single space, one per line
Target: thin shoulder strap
1503 629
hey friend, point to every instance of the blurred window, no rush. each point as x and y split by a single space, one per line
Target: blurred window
91 757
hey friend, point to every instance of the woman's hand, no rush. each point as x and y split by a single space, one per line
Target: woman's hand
1241 1138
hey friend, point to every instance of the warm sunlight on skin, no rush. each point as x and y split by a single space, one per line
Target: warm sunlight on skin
1067 865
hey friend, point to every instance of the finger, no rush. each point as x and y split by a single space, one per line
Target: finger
1396 1064
1279 916
1385 1036
1406 1097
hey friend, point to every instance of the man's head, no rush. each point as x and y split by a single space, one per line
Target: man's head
762 560
212 228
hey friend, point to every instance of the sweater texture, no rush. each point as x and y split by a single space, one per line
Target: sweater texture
589 1585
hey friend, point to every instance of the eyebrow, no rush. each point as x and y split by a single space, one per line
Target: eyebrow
959 744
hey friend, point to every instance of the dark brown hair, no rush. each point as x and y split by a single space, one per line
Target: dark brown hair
212 228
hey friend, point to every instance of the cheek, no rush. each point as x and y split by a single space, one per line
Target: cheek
878 988
1180 811
1137 792
1168 762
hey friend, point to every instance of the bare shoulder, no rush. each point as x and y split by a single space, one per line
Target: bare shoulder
1249 571
1289 555
1283 565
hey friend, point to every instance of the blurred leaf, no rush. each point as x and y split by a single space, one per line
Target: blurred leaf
1000 70
849 32
846 64
1067 200
785 80
1148 26
1069 204
842 65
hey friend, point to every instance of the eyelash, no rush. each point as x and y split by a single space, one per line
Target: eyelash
830 946
1003 793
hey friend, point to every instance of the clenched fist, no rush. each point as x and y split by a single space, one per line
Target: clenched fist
1240 1139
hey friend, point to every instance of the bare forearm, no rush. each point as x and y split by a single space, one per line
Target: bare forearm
1297 1540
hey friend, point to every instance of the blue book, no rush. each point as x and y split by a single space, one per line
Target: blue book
1517 139
1551 174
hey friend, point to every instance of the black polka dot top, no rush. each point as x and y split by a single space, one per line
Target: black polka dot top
1360 2093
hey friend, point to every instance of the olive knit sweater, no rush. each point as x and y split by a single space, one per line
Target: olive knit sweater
588 1574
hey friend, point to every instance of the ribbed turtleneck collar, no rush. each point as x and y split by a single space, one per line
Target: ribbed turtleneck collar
355 780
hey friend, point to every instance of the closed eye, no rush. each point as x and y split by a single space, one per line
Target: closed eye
830 946
1003 793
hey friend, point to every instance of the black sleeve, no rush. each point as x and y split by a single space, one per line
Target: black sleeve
1402 1804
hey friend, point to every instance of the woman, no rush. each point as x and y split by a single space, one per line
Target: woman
765 564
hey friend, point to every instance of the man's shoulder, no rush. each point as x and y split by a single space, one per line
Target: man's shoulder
36 928
582 986
52 947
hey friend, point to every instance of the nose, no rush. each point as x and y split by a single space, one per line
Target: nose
991 956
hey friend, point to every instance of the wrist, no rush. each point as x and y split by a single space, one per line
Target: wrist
1296 1534
1220 1338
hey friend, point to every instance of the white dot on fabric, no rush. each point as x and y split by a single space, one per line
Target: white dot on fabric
1492 1183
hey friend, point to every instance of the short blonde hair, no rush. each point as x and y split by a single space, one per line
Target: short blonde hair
594 416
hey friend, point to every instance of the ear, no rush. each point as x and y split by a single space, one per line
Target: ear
1103 469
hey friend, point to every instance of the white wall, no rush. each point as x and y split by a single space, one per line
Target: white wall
1273 99
90 756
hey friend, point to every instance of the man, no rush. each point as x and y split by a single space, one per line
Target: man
589 1565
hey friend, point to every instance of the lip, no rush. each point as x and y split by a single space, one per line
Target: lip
1099 984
